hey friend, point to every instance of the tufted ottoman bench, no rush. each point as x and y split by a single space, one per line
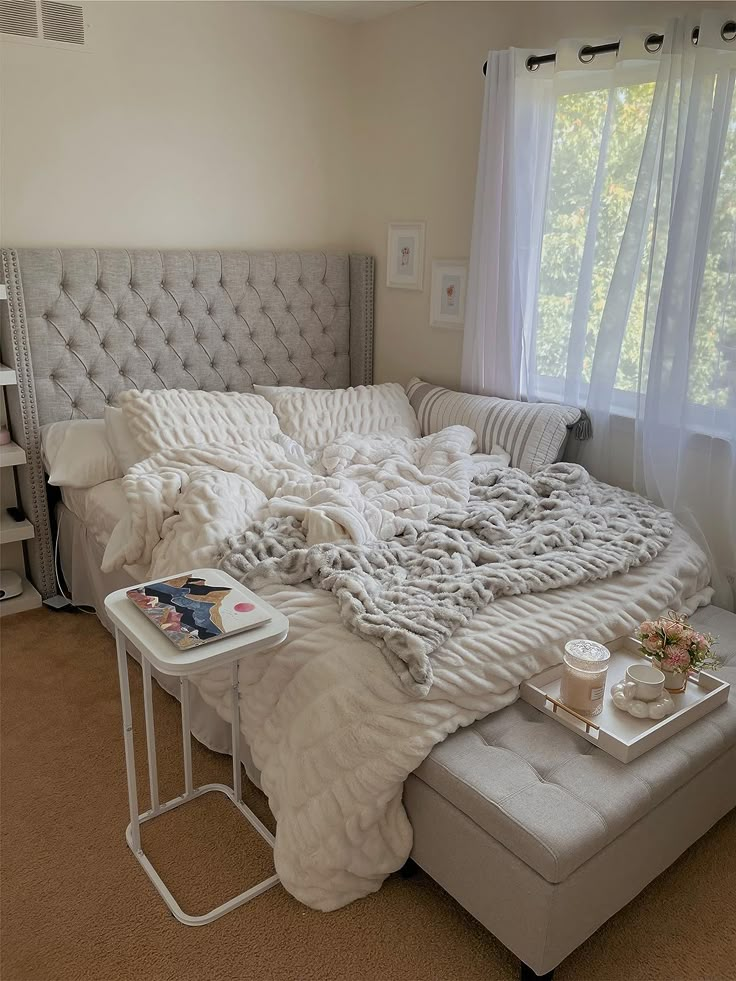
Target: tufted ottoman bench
543 837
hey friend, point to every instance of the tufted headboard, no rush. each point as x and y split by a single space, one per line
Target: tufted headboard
82 325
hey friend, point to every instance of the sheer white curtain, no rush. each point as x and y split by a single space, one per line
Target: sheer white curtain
510 190
604 257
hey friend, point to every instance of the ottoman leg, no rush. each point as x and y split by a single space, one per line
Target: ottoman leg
528 975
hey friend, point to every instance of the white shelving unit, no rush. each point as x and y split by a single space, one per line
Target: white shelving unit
11 455
13 533
29 599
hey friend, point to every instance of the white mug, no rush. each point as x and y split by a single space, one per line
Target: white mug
647 680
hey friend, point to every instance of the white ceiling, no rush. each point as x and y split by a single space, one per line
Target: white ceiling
348 10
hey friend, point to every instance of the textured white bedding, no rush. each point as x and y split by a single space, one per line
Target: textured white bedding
317 416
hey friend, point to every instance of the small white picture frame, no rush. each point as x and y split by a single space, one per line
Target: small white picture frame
405 262
447 302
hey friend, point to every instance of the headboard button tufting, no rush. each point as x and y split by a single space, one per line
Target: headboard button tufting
254 329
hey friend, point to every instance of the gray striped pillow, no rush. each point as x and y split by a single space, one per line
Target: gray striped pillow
532 433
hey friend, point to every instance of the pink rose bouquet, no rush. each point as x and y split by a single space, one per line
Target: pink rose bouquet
676 645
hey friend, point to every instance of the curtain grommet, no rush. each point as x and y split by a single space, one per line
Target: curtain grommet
728 31
653 43
586 54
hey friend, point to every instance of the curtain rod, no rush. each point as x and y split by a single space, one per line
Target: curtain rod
652 43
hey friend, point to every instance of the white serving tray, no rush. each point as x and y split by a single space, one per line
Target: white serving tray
614 731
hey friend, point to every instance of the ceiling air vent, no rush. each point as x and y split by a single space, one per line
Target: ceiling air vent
62 22
43 22
19 17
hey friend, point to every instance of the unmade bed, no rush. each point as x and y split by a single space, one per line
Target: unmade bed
87 325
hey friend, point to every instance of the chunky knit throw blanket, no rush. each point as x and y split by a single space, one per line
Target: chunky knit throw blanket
517 534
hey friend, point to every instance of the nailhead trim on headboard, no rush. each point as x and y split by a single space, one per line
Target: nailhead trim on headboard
86 324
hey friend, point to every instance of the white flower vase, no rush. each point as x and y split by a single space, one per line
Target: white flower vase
675 682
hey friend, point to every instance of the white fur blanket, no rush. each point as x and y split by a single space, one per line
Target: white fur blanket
330 727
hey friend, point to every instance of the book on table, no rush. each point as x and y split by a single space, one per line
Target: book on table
198 607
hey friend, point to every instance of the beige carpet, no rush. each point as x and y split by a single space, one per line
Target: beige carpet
76 905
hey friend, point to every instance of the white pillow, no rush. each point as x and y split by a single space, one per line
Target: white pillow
160 419
126 450
77 453
317 416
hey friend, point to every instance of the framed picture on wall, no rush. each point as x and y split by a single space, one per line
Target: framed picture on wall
449 280
405 255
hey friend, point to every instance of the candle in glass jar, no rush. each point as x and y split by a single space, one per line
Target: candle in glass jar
585 666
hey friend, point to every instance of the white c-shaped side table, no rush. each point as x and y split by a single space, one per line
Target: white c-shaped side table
157 651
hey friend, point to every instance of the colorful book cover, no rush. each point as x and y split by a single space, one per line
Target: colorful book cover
198 607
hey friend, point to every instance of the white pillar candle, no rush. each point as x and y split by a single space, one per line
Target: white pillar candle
585 666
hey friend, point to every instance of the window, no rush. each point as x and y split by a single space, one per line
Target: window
598 140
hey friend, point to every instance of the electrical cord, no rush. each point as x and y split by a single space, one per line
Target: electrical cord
58 574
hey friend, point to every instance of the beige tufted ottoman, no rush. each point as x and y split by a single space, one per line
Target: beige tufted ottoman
543 837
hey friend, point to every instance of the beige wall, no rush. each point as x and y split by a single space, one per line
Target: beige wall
186 124
419 95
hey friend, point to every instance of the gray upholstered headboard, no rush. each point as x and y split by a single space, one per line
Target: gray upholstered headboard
82 325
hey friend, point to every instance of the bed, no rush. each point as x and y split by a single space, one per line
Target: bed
85 326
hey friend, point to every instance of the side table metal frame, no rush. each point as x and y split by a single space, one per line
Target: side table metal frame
234 793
